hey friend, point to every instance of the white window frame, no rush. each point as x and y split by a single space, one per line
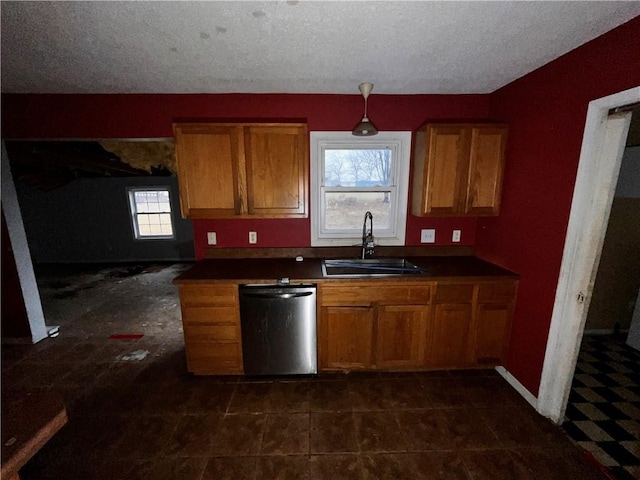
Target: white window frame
134 213
400 144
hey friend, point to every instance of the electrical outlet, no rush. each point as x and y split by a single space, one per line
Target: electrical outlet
428 235
253 237
455 237
212 238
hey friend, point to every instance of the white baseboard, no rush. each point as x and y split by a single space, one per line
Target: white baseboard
513 381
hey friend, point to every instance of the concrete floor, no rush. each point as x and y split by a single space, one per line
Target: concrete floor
135 413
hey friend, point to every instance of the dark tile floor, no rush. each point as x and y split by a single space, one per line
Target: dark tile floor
134 412
603 414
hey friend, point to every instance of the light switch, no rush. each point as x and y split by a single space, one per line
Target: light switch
455 237
212 238
253 237
428 235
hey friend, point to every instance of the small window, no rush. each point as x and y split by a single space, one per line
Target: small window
352 175
151 213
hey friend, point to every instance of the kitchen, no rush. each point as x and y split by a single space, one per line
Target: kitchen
528 235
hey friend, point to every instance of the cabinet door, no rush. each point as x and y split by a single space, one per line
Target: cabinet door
493 323
346 336
447 166
401 336
276 170
486 165
450 342
209 170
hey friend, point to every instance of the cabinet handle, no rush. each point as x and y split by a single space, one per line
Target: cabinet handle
277 295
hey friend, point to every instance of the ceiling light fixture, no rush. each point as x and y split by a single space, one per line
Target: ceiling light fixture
365 128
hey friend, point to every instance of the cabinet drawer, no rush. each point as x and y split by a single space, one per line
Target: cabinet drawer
214 350
496 292
461 293
211 334
210 315
356 294
195 295
219 358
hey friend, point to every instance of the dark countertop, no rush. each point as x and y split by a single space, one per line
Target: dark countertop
270 270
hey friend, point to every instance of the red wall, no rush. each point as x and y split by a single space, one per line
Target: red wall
151 116
546 112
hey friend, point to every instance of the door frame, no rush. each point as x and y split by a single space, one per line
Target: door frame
603 144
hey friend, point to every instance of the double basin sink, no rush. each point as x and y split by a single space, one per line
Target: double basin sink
369 267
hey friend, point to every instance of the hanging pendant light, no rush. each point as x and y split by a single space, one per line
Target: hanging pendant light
365 128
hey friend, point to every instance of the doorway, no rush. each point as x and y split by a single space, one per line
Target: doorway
604 403
599 166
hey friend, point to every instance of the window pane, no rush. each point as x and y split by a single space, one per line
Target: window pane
140 197
346 210
164 207
154 219
359 168
154 224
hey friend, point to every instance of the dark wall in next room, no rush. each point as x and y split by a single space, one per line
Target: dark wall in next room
88 221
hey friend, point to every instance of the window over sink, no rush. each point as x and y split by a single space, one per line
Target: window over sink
352 175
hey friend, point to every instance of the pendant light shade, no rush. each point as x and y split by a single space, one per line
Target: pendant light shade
365 128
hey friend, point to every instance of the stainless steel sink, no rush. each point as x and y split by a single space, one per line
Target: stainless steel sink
369 267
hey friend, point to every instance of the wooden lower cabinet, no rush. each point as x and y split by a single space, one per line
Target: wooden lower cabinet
492 331
211 323
471 324
345 337
418 326
493 315
401 336
381 326
452 326
451 334
373 327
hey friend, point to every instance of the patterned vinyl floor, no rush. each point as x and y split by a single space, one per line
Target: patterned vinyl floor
603 414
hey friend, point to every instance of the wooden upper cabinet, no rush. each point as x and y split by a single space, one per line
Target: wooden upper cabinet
276 170
458 169
486 166
242 170
208 158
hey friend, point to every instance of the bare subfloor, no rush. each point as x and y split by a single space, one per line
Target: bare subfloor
135 413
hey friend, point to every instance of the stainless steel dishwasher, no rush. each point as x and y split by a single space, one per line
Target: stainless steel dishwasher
278 329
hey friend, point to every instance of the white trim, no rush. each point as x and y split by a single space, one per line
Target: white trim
401 143
21 253
598 169
513 381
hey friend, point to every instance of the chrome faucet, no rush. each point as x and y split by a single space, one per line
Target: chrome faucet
367 237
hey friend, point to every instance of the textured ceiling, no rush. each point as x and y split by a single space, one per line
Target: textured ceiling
290 46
